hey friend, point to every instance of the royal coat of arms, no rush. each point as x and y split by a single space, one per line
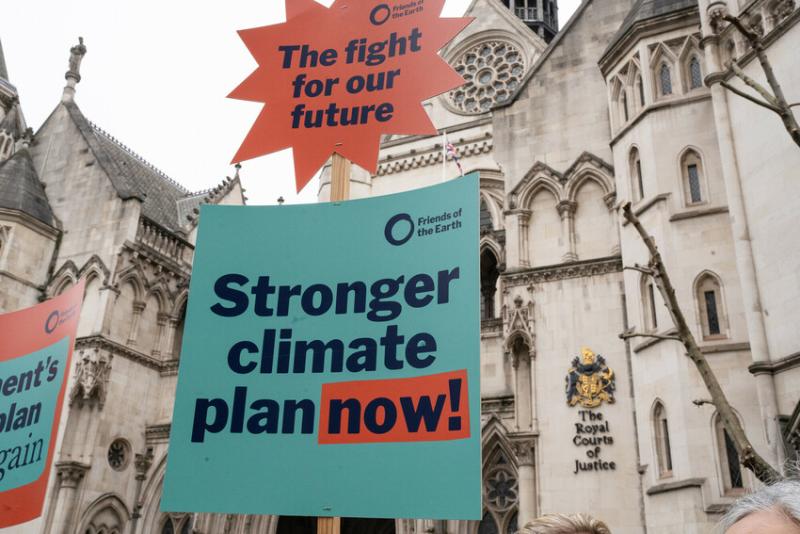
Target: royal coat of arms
590 381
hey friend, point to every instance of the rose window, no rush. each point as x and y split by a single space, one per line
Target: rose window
118 454
492 71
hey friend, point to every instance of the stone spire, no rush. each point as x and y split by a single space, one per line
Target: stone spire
73 75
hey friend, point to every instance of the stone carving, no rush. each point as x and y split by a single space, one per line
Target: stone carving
562 272
91 377
519 328
590 381
76 54
524 451
70 473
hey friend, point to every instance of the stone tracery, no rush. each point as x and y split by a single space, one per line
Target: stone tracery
492 70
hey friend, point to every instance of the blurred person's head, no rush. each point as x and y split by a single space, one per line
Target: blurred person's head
565 524
773 509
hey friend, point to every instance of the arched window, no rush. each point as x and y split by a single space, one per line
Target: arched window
489 276
695 74
730 466
662 443
623 102
500 494
665 80
177 524
637 182
649 304
693 178
485 217
177 338
640 89
709 302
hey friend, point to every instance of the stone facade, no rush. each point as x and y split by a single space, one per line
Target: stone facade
618 106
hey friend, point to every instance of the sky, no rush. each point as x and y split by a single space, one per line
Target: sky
155 76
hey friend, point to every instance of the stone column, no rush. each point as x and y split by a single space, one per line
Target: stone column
517 233
611 203
566 209
138 308
522 361
743 251
68 477
162 334
523 220
526 477
169 339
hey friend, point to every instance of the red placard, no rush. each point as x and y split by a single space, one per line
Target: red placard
336 79
22 333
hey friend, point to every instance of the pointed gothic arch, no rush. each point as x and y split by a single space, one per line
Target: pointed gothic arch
106 515
710 305
500 481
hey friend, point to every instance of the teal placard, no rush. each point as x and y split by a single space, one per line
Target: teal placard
29 387
371 426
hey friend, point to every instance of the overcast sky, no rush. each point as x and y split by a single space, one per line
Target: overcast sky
155 77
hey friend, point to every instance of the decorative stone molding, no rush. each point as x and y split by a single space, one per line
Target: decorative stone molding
554 273
524 449
784 364
519 327
566 208
91 377
157 433
498 405
142 463
413 160
71 473
116 349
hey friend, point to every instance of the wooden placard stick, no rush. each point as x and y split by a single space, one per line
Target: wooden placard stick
340 178
340 190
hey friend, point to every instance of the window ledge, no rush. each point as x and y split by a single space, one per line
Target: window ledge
677 485
724 347
691 213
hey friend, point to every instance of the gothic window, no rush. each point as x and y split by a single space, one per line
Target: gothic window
177 337
695 74
640 89
665 80
637 182
500 494
492 71
662 444
107 516
119 453
709 300
489 276
623 98
729 464
177 524
485 217
649 304
693 178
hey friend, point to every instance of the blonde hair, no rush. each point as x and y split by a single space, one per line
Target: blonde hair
565 524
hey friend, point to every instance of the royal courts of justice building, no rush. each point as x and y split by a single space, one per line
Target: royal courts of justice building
565 123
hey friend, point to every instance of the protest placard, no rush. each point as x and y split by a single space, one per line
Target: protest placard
330 360
335 79
35 352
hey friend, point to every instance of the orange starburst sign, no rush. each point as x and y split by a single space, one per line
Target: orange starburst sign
336 79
